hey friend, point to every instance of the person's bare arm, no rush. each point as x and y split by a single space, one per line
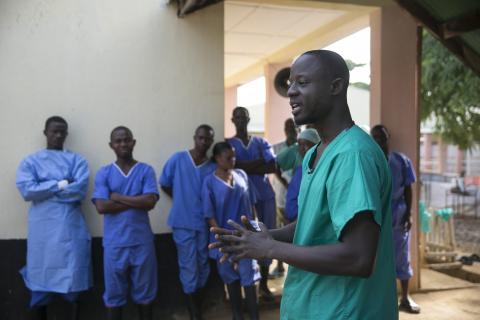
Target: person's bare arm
354 255
109 206
284 234
144 201
249 165
264 168
278 174
168 191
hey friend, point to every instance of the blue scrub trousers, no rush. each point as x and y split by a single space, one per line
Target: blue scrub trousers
247 272
192 254
42 298
266 211
134 266
401 240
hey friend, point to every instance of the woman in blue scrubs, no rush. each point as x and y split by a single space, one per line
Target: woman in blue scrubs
255 156
226 195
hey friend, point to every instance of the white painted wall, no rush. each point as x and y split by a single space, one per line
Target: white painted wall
359 104
100 64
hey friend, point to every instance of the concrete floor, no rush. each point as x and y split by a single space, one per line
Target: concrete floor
441 298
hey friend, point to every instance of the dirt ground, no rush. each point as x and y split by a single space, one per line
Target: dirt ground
467 233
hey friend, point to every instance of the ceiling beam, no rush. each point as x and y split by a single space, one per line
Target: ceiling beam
468 56
314 4
459 25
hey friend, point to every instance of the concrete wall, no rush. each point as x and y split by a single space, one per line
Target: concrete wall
100 64
277 108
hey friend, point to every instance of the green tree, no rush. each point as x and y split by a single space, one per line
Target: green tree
352 65
450 95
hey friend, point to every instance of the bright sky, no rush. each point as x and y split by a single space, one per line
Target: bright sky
355 47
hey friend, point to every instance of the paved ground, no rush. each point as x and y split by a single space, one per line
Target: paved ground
441 298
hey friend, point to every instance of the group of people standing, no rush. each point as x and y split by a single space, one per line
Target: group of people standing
334 248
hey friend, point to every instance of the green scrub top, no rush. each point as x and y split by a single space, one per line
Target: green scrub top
289 158
351 176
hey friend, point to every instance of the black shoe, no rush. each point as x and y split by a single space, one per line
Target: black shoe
114 313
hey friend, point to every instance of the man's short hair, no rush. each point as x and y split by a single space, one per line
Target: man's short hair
205 127
55 119
333 63
240 108
129 132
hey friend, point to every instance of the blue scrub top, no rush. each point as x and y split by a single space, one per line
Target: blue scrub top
185 178
130 227
403 175
223 201
58 243
291 204
257 148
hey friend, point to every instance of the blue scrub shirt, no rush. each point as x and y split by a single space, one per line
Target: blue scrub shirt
257 148
130 227
185 178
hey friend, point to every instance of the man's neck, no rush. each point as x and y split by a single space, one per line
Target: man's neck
125 162
242 133
291 141
198 155
339 120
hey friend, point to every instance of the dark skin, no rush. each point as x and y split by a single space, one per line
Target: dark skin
203 140
56 134
122 143
381 137
225 163
317 97
240 119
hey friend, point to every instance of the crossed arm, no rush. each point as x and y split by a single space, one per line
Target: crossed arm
353 255
257 166
118 203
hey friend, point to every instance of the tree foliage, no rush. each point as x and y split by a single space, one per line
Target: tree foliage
450 95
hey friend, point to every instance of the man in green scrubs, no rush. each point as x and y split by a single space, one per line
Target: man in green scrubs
340 250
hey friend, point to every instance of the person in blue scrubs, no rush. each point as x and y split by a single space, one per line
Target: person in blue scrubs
403 176
226 195
182 179
255 156
124 192
55 181
306 140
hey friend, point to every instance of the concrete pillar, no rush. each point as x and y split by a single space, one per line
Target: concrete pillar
394 94
277 108
230 104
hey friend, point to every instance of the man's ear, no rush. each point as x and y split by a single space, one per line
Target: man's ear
337 86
